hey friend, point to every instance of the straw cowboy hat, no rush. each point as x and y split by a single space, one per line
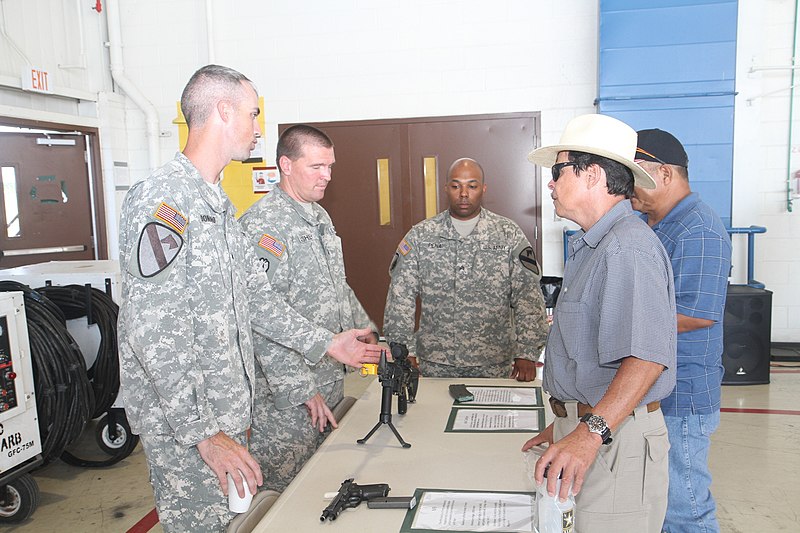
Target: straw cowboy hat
599 135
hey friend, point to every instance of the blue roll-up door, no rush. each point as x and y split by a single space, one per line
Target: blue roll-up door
670 64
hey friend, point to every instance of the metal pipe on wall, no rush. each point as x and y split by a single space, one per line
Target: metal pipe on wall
210 30
789 202
124 83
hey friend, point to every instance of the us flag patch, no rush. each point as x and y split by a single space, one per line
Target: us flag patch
273 246
170 216
404 247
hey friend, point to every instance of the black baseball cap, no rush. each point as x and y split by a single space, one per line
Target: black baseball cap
662 147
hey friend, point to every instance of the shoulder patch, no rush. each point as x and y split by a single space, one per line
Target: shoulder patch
158 248
403 248
527 258
272 245
394 262
171 217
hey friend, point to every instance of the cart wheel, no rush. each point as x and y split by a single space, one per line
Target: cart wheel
110 445
21 500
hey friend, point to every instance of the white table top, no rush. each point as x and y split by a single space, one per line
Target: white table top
436 460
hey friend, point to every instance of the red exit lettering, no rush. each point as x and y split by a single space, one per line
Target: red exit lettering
39 80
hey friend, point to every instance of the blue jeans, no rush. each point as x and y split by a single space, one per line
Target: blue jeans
690 506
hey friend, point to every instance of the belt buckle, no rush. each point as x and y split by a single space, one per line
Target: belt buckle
558 407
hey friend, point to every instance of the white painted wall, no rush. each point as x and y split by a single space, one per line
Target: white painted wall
761 149
318 60
63 37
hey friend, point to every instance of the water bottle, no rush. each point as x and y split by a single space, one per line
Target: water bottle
555 516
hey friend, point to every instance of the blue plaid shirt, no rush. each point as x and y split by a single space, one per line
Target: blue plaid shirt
700 251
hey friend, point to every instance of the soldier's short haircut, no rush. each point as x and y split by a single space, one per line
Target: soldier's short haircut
291 141
206 87
463 160
619 178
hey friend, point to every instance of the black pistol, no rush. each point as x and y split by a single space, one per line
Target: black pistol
351 495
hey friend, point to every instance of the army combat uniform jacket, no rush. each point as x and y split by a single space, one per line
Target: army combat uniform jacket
480 294
192 289
302 255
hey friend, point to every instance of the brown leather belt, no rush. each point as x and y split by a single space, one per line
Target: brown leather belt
560 409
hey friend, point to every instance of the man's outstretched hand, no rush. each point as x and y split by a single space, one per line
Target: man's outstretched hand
347 349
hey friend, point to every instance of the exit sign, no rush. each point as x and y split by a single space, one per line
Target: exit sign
36 79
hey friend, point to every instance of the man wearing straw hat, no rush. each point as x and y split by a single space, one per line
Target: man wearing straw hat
611 353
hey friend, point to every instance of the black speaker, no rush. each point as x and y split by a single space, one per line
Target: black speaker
746 337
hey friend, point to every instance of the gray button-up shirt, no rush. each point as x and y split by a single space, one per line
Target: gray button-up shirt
617 300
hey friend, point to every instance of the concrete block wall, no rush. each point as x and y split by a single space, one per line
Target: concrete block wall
64 37
318 60
326 61
761 158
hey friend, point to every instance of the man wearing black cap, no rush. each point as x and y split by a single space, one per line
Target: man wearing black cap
700 252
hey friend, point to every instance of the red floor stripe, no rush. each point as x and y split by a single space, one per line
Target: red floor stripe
760 411
145 524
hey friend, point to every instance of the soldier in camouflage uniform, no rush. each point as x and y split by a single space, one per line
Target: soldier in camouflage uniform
478 282
192 287
297 244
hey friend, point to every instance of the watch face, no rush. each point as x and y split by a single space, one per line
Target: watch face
596 424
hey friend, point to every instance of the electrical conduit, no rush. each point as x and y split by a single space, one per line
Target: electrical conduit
130 90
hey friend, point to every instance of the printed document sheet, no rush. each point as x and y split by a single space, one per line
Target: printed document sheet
516 396
495 420
467 511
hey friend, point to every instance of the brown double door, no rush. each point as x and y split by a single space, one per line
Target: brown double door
411 151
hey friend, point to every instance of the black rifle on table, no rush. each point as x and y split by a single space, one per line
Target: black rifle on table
351 495
403 378
398 377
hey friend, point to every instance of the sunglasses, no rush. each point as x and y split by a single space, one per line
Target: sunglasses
558 167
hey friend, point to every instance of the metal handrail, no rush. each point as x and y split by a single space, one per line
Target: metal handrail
750 231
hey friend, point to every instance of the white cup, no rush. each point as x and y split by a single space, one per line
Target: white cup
236 503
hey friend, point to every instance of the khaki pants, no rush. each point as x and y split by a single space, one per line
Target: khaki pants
625 489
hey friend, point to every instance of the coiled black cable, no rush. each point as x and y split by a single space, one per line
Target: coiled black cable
72 300
64 396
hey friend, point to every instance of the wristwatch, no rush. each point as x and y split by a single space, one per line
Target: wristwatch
597 424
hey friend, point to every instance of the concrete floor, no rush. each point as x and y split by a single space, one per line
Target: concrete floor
755 461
